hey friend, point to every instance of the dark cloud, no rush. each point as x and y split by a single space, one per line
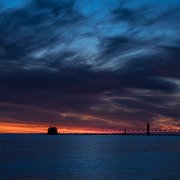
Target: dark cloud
82 80
133 16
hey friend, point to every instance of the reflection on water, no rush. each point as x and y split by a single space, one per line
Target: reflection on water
89 157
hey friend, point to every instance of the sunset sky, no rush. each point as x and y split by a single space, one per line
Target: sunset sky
89 65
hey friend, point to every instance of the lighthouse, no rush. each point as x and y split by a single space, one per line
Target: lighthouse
148 129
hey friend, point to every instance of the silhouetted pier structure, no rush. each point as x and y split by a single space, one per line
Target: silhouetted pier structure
129 133
148 131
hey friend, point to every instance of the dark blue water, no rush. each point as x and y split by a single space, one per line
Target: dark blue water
89 157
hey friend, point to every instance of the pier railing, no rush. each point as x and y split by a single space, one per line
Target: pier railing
130 132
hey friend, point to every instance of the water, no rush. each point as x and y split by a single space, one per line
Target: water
89 157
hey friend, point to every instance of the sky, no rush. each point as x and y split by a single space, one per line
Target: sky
88 65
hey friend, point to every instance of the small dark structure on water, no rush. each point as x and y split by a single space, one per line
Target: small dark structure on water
52 131
148 129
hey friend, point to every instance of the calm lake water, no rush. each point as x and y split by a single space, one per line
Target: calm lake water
89 157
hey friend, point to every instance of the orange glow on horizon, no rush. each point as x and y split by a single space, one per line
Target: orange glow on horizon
9 127
21 128
30 128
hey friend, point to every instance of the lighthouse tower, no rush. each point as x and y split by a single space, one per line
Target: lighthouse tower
148 129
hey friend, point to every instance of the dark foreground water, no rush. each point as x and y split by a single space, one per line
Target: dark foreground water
89 157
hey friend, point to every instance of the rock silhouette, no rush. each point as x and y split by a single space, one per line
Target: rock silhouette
52 131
